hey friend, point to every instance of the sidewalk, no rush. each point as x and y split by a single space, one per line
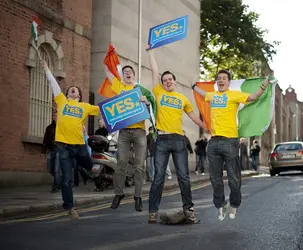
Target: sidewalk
19 201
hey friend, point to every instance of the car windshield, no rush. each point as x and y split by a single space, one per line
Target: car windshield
288 147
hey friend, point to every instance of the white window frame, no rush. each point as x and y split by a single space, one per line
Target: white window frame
40 97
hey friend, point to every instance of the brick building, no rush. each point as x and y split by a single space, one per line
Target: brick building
287 123
297 110
26 99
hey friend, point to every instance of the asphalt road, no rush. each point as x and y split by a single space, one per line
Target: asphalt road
270 217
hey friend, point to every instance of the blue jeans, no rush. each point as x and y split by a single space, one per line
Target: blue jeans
225 150
150 167
165 145
53 167
78 169
67 154
255 162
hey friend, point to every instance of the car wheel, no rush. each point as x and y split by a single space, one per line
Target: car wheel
99 184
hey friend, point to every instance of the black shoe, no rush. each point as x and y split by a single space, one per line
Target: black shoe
138 204
85 182
116 201
54 190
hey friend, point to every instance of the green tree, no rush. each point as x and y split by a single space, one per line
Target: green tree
230 39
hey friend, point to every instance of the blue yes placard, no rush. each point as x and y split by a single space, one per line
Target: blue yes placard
168 32
123 110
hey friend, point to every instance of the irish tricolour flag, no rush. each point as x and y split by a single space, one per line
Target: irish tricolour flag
34 29
253 118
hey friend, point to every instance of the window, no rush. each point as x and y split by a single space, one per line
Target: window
40 109
288 147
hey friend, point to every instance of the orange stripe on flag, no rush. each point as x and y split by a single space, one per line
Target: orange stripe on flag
111 61
203 106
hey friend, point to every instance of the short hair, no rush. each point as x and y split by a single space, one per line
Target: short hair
150 128
167 73
130 67
79 90
224 71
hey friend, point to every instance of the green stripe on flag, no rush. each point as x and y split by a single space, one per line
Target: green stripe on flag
255 118
34 35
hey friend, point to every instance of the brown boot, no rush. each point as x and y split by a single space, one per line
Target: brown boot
73 214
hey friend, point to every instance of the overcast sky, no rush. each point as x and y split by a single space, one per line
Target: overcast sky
284 21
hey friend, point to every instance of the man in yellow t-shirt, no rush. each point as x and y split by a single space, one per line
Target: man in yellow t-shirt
71 116
133 135
170 140
223 146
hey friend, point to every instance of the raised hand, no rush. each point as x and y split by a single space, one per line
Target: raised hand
44 65
266 81
144 99
147 47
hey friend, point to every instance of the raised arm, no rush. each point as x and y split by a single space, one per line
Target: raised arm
154 66
54 84
200 91
109 74
260 91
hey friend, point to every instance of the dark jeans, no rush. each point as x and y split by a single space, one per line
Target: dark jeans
255 162
53 167
78 169
67 154
200 161
165 145
150 167
219 151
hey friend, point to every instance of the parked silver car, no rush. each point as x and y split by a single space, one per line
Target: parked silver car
286 156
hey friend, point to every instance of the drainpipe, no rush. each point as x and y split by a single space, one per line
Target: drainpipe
140 40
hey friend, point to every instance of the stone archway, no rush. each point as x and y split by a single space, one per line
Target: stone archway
56 51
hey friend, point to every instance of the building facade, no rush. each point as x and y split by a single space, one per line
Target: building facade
26 98
287 123
119 23
73 38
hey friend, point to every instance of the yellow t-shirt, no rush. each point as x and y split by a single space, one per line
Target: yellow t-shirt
170 106
224 109
71 118
119 88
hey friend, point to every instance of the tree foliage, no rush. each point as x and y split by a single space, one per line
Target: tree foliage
230 39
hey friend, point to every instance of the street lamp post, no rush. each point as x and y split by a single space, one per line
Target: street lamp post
295 116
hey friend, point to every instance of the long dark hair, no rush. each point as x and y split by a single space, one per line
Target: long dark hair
79 90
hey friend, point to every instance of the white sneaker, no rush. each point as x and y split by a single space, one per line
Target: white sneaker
169 177
222 212
197 172
202 174
233 212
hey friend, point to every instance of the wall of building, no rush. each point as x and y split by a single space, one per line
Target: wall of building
117 22
286 124
67 25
